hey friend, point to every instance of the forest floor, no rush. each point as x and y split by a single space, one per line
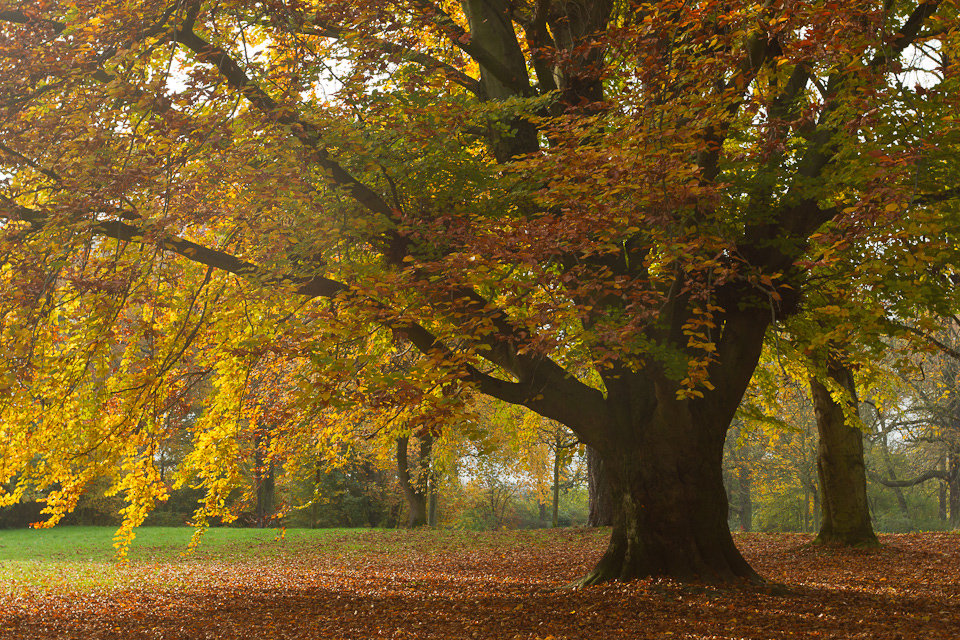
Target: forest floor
451 585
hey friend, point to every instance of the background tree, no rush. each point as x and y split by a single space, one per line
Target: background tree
777 446
920 414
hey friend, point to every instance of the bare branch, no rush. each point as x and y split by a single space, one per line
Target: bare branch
933 474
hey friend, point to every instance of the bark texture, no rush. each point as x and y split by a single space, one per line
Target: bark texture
843 480
671 505
664 465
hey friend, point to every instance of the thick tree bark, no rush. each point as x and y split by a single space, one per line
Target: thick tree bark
663 454
664 464
843 480
598 489
672 509
491 24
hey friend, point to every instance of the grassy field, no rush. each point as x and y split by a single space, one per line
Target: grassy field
95 544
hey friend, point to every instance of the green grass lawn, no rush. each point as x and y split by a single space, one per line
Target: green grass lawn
95 544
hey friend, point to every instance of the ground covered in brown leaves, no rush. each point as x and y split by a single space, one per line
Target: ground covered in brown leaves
502 585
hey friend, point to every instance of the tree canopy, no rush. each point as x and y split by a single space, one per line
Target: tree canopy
593 209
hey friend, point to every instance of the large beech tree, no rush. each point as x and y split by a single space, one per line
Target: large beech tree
593 209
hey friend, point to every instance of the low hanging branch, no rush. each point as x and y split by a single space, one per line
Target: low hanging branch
932 474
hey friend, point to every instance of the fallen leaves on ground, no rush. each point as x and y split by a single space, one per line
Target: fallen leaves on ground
507 585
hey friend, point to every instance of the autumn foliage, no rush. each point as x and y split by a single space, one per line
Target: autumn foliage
282 228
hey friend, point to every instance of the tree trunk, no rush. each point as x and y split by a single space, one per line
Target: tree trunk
315 503
662 449
556 488
897 491
953 468
598 489
491 24
744 497
266 498
843 480
671 510
265 480
415 496
942 492
817 510
432 504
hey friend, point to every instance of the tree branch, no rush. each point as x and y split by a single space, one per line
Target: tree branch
945 348
908 33
548 388
306 132
326 30
943 196
933 474
21 17
460 38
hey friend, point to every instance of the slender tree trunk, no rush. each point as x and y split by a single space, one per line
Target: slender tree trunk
556 488
266 484
598 488
897 491
266 498
817 509
432 504
842 473
942 492
425 481
315 506
744 496
953 465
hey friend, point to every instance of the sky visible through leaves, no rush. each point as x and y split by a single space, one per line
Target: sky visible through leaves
423 584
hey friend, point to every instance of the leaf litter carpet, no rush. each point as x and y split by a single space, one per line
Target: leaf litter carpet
503 585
